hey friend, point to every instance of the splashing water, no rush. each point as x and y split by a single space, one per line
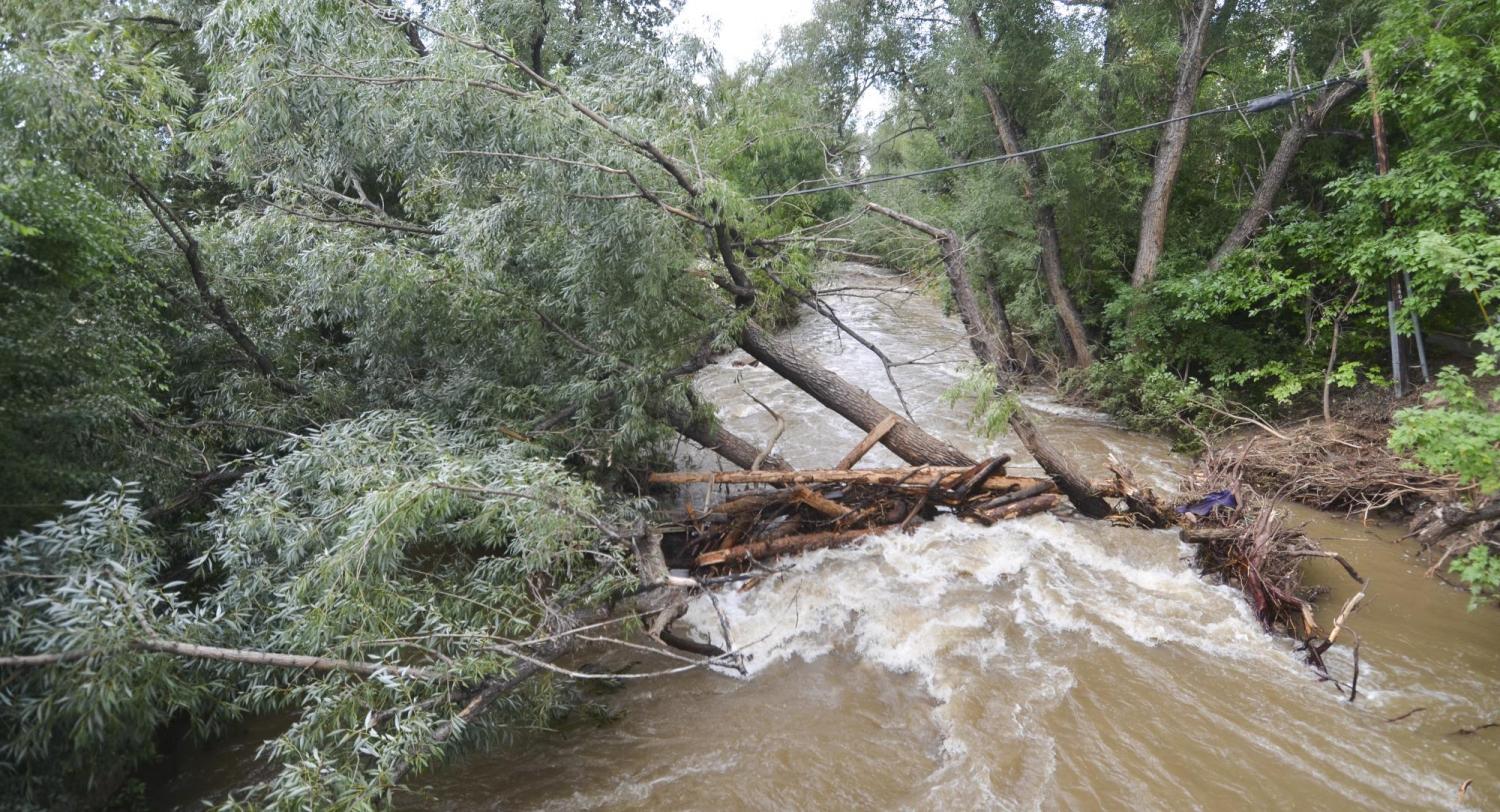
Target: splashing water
1041 663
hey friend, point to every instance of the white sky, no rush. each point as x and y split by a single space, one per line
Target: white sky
738 28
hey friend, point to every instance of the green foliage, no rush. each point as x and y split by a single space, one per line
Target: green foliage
1458 432
87 583
1480 569
78 356
383 539
409 228
990 409
1145 397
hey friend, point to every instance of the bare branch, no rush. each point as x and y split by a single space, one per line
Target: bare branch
234 655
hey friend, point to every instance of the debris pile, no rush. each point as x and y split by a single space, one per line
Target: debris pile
1338 467
1241 539
794 511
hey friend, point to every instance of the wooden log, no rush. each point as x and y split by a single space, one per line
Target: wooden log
819 502
979 473
947 475
745 553
1040 487
1023 507
859 451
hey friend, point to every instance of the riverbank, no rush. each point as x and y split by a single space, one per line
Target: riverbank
1047 661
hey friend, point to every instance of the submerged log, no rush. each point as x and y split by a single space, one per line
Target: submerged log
1023 507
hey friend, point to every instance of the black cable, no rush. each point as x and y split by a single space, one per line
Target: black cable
1252 106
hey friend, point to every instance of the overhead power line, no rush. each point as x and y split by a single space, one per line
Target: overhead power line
1257 105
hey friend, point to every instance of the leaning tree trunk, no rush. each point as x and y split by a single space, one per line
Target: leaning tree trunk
906 440
1008 133
984 342
1280 167
1173 143
999 326
1057 286
711 434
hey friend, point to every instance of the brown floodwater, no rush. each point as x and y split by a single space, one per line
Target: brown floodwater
1048 662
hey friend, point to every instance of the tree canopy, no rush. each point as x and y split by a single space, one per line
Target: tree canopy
340 331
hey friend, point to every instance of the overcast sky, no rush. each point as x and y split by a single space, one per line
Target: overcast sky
740 27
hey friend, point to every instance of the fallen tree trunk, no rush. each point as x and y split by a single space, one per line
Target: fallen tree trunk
905 439
711 434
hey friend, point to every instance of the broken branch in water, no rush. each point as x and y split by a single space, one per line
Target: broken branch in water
859 451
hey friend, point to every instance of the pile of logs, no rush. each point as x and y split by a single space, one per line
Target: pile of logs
794 511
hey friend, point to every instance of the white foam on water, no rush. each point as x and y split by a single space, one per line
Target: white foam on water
959 606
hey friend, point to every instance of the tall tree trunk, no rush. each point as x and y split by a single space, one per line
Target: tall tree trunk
906 440
1008 133
1276 173
985 344
1172 145
1109 85
1000 327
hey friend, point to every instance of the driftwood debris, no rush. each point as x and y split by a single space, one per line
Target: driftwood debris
800 510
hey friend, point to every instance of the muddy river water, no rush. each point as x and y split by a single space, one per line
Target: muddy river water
1047 662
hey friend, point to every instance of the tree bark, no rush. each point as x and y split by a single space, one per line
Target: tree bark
712 435
1292 139
1079 490
1000 327
986 345
1008 133
1173 143
906 440
1057 286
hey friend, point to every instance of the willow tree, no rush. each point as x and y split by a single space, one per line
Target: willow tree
350 209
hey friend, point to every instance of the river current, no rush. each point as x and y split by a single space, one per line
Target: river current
1047 662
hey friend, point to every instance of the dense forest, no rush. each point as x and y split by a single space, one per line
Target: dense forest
338 335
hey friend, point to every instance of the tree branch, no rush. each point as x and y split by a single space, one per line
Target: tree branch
177 230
